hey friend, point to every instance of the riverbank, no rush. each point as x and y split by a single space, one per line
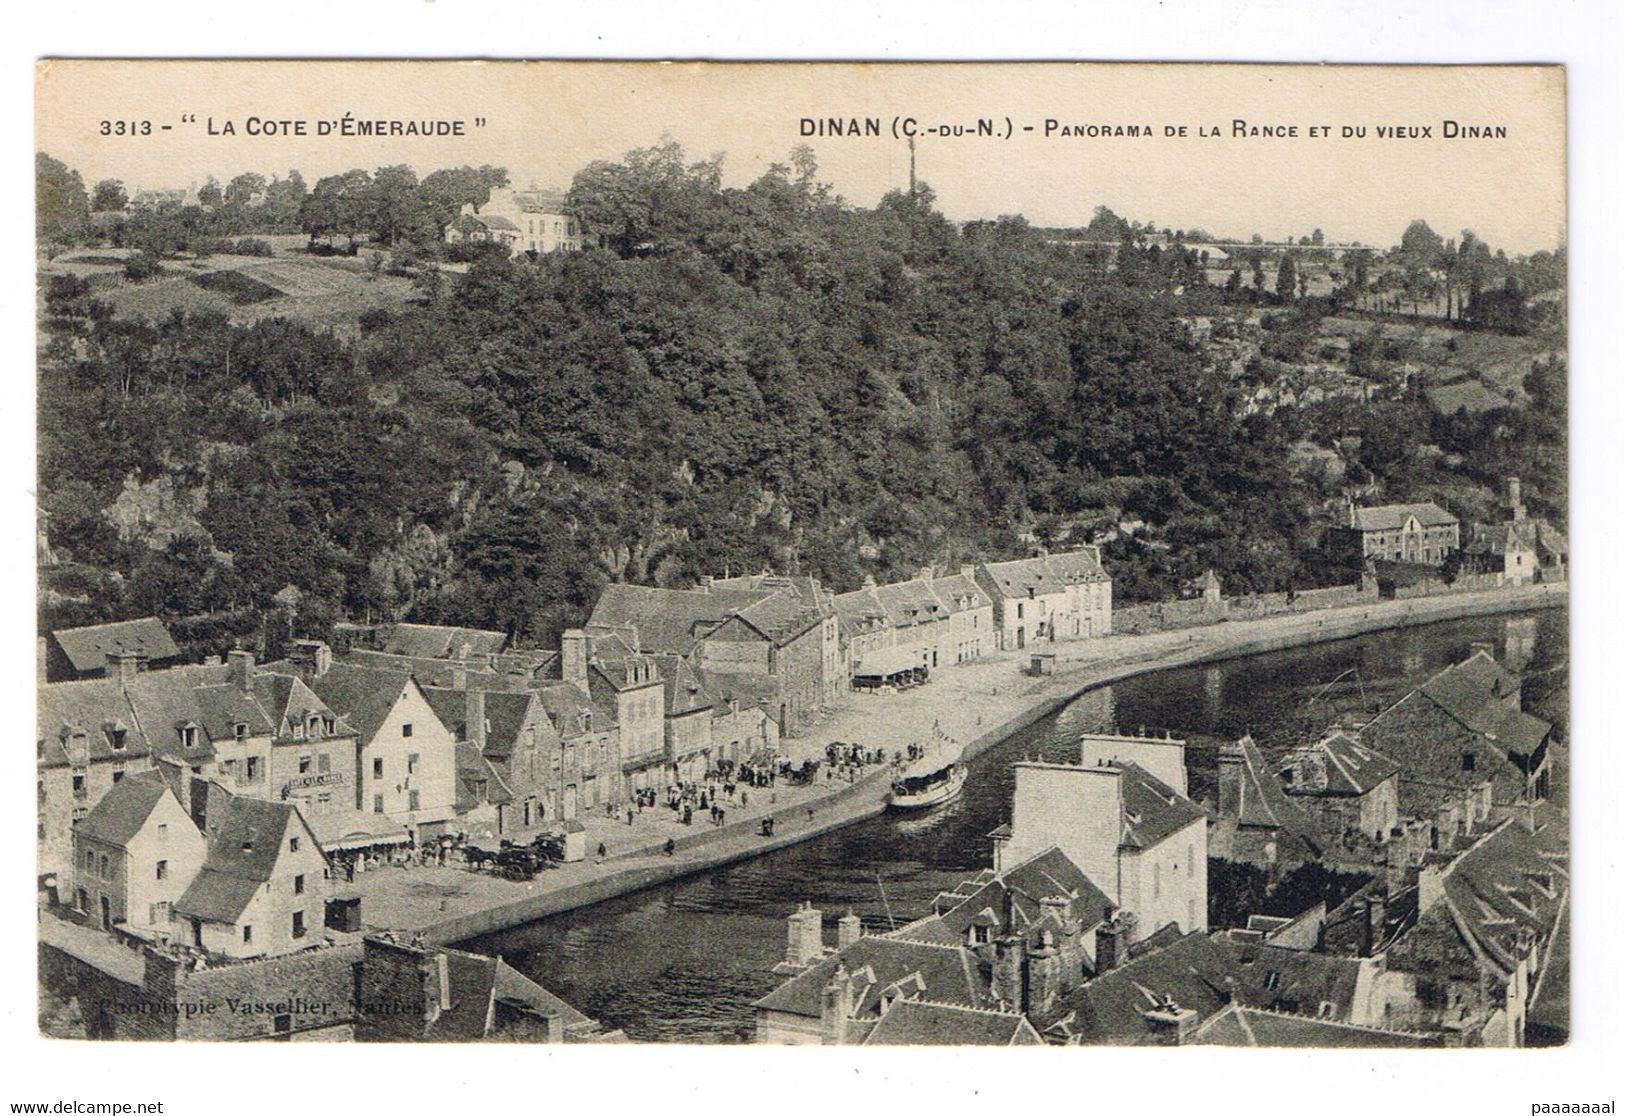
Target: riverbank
979 703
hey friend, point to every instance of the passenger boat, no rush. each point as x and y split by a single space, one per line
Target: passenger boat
934 778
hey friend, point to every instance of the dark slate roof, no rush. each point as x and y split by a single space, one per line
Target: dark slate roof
1264 805
669 621
511 984
1292 980
88 648
1049 874
1499 538
1343 768
685 687
1472 689
921 1023
1509 882
1152 810
945 974
505 716
860 609
124 809
1464 708
959 592
1249 1026
1110 1009
438 641
154 705
245 838
1046 574
1391 517
364 696
564 703
911 603
477 781
93 707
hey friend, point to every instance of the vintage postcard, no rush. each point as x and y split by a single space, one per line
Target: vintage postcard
999 554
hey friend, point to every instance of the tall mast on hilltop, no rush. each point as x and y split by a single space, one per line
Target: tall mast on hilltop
911 186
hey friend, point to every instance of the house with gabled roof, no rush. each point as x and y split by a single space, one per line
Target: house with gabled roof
1256 822
590 753
839 999
99 650
263 734
779 629
507 757
1344 786
927 620
135 853
1141 841
1520 549
407 759
1487 919
1048 598
522 220
1418 534
263 886
1462 729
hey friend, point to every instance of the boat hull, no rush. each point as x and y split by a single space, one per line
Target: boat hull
946 791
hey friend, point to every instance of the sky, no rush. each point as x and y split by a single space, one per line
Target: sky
544 121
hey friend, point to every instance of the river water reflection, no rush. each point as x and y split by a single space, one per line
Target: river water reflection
683 962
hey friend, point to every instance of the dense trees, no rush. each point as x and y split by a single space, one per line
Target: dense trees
741 377
61 206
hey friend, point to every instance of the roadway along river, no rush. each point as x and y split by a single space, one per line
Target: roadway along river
683 962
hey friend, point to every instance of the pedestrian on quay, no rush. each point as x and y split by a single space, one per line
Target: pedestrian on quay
602 852
671 846
629 815
744 799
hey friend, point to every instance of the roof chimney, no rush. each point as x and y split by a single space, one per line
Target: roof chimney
474 717
1170 1023
573 657
240 666
848 930
125 664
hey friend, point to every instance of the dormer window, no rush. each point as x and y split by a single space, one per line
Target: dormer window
188 735
240 730
314 725
116 734
327 725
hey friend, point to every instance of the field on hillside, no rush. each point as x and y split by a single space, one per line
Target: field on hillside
321 291
1446 354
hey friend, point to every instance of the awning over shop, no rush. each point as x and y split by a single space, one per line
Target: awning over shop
887 662
354 829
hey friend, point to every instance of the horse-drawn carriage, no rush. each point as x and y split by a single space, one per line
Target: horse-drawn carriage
805 773
515 861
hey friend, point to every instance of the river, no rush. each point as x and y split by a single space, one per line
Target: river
683 962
